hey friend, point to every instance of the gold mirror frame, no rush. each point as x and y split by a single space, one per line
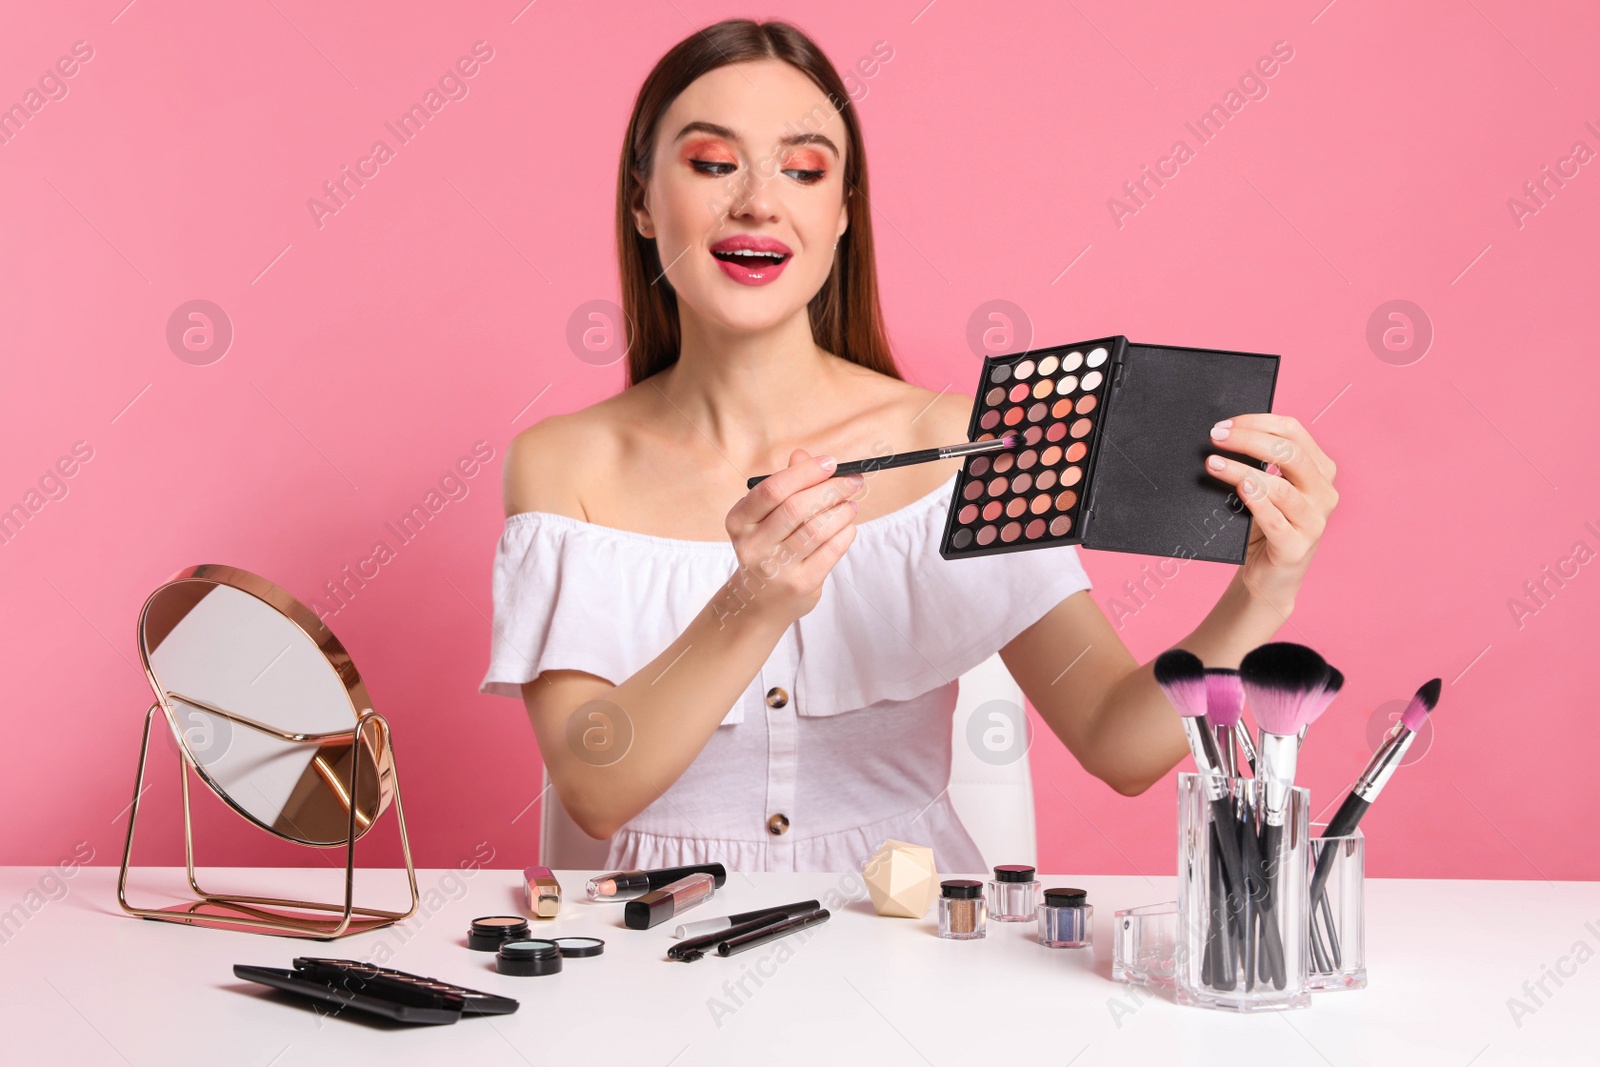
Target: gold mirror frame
367 744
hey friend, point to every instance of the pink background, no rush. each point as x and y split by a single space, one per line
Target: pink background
371 352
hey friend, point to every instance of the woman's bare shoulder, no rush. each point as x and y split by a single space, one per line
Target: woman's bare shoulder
548 462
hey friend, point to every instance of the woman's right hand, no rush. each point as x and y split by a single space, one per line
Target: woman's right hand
788 532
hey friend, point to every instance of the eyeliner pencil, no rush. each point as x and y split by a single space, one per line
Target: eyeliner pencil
721 923
742 942
696 947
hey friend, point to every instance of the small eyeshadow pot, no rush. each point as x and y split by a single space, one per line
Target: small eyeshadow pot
1066 919
489 931
528 956
1013 894
577 947
962 914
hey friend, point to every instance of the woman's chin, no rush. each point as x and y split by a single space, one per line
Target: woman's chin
745 311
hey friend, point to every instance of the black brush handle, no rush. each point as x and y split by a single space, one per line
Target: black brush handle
1271 954
1344 823
1235 882
1217 968
1233 867
1249 936
867 466
1271 843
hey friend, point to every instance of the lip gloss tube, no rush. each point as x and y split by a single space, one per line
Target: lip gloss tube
628 885
669 900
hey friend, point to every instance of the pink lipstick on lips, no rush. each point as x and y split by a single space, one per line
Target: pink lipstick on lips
751 260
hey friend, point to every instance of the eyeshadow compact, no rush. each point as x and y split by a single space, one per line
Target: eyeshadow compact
1114 436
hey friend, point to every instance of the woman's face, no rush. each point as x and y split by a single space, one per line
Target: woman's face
750 153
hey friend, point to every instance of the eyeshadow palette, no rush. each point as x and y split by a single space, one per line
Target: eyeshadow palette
1114 439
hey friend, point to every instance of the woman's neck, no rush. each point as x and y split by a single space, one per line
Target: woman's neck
748 392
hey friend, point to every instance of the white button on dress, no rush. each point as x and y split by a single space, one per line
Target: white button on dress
843 737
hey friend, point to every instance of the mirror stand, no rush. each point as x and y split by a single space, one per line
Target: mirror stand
266 914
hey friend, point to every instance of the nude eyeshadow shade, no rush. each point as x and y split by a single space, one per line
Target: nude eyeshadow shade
1114 439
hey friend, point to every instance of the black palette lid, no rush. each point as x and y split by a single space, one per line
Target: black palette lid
1151 493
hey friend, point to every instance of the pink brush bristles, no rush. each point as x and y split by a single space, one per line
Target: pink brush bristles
1283 681
1183 678
1224 697
1324 697
1425 701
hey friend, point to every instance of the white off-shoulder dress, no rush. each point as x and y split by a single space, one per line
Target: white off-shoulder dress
843 737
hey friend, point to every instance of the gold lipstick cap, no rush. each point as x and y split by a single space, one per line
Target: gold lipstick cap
543 892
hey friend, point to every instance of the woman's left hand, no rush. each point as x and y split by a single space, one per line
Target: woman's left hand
1290 500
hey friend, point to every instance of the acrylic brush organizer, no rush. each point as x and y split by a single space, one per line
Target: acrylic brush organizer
1336 913
1243 873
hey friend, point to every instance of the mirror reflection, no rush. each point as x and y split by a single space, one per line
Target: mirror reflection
261 709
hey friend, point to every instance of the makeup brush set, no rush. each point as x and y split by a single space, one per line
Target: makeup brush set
1265 915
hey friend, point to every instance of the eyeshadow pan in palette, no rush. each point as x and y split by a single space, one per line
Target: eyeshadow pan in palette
1114 439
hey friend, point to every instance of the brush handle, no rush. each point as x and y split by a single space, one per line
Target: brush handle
1344 823
867 466
1245 920
1271 843
1261 891
909 459
1224 821
1241 734
1233 868
1217 966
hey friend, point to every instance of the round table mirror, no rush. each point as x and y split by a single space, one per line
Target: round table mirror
265 702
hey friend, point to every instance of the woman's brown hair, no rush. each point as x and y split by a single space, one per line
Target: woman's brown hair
845 315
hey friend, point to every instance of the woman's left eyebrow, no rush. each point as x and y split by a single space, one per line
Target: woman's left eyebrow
788 140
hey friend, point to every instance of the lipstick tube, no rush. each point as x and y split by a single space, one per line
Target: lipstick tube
629 885
541 893
669 900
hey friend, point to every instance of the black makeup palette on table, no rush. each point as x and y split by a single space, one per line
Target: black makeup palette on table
1114 437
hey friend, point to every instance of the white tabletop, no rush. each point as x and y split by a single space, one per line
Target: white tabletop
80 982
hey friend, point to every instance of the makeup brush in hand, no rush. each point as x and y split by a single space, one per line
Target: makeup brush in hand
1009 439
1285 682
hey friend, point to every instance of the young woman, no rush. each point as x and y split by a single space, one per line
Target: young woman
766 678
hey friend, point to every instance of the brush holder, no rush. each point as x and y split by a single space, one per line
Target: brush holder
1143 943
1242 881
1336 913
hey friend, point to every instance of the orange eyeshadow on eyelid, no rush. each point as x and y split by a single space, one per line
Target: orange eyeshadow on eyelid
707 147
